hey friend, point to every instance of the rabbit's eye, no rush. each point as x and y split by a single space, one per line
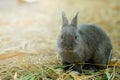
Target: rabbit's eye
75 37
62 36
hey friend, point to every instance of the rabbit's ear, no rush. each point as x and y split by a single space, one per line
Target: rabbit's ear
74 20
64 19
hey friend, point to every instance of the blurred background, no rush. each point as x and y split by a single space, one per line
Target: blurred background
29 28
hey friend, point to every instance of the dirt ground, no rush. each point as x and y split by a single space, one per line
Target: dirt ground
30 29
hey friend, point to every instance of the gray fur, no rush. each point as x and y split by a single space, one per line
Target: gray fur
86 43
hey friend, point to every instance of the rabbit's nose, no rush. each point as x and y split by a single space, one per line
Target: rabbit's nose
68 48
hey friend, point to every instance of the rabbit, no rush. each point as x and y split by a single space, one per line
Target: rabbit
80 46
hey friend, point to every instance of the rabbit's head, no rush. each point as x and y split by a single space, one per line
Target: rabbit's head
69 33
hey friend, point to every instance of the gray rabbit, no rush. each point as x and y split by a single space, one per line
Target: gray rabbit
84 46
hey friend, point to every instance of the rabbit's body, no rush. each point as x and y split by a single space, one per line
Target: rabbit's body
87 43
